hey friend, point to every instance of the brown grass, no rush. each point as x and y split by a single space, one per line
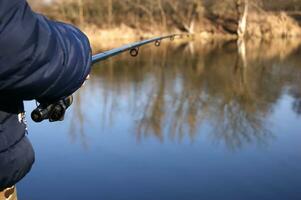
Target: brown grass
107 38
269 25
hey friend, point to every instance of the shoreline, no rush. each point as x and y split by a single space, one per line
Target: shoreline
105 39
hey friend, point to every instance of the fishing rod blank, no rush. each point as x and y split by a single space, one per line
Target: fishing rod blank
132 48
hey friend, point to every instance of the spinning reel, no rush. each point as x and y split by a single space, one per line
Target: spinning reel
53 112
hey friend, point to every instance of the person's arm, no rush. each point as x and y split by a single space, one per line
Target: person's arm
39 58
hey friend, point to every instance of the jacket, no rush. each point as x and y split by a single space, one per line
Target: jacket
39 59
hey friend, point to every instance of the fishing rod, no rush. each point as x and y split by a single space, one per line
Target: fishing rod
132 48
56 111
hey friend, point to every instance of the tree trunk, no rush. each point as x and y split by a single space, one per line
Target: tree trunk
243 18
242 29
110 12
163 15
81 12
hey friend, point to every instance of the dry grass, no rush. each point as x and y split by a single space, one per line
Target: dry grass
269 25
107 38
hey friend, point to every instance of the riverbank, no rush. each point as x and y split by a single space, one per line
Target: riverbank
103 39
264 26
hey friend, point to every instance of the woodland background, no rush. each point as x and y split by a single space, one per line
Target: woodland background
132 19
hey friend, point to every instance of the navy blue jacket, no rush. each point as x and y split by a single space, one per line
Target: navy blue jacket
39 59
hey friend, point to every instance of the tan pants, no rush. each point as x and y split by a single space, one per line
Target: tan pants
9 194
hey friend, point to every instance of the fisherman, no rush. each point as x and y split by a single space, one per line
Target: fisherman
39 59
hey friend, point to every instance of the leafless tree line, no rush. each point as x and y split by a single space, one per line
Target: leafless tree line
190 16
187 16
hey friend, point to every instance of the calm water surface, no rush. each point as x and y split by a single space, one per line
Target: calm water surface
183 121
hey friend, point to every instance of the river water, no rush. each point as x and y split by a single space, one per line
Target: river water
182 121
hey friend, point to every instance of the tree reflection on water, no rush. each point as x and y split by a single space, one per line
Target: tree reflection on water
174 91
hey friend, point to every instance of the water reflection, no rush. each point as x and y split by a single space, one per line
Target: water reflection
180 91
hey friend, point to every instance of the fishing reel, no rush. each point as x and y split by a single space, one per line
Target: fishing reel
53 112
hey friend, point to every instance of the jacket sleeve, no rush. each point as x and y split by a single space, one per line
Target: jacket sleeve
39 58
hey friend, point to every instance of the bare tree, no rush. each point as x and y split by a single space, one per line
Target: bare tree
81 11
184 14
110 12
162 13
243 9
